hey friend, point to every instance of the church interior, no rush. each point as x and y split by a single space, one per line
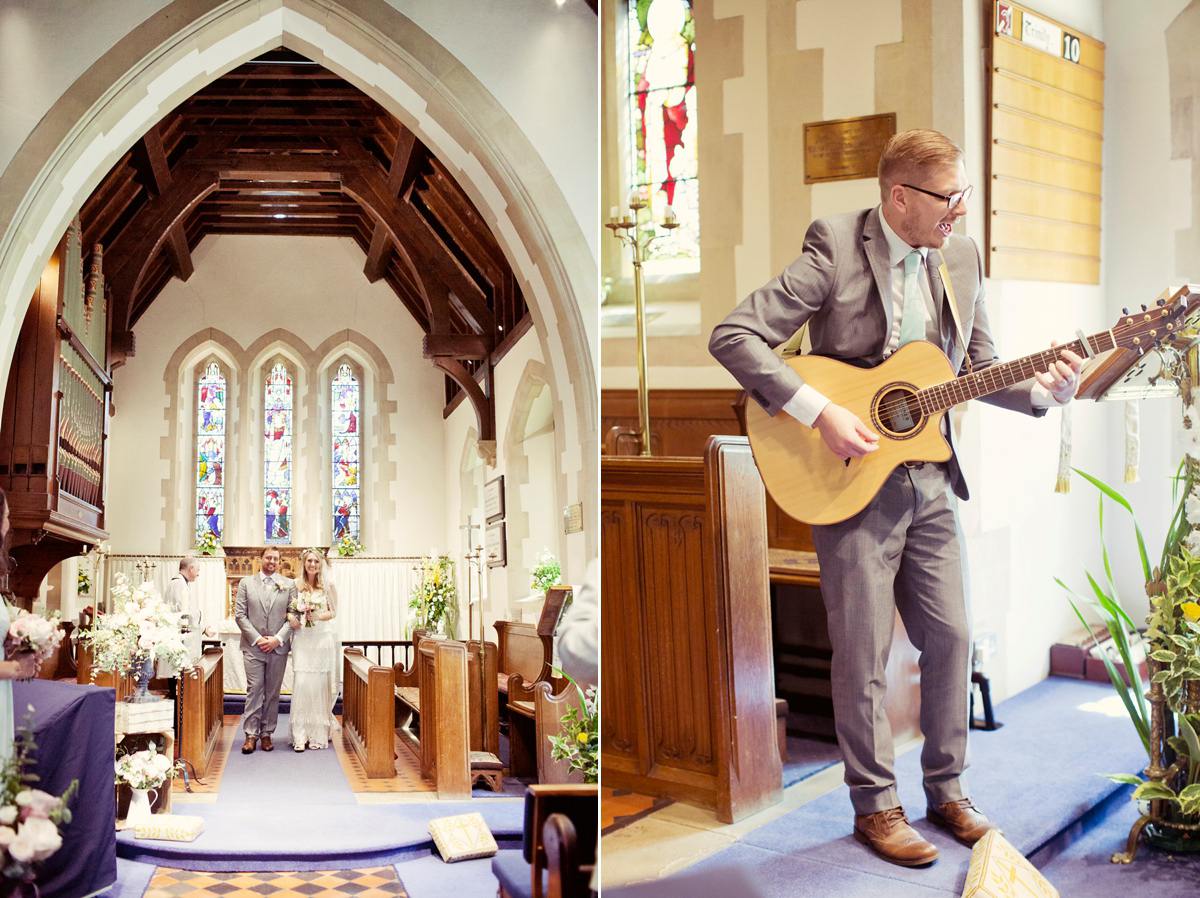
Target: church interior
742 123
290 275
428 287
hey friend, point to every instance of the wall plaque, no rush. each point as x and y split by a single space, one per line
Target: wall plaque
847 148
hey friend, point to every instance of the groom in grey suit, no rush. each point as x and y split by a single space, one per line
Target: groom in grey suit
864 283
260 612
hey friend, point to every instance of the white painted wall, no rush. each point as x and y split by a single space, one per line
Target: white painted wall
314 288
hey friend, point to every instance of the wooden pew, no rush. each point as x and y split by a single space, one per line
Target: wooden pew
524 653
445 731
684 553
367 712
84 668
548 710
203 701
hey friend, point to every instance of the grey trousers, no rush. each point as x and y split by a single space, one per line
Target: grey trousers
264 677
903 552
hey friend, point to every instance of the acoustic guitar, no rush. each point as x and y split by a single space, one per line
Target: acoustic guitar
903 400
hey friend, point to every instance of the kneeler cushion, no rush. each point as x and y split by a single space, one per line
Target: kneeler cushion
462 837
998 870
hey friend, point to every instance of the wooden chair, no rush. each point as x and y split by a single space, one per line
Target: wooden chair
527 875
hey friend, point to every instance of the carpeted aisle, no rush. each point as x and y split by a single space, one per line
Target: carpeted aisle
1036 777
296 811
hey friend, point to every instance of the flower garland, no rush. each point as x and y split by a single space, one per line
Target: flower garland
139 627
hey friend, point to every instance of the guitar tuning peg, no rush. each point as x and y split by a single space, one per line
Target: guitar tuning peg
1125 311
1143 307
1162 302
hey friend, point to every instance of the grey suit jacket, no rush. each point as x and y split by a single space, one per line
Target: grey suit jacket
841 287
262 611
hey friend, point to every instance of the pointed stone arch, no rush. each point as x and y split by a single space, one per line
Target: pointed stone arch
391 59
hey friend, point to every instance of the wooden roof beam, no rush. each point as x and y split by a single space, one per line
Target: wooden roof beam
179 255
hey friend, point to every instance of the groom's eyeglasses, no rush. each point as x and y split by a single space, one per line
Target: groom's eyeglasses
951 201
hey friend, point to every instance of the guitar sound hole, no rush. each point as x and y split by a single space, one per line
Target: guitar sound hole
898 413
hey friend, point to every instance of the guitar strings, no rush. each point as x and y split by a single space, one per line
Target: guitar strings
1045 357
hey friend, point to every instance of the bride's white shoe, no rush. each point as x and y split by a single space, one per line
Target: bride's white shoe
299 746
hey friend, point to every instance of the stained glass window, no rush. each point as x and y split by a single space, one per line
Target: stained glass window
210 453
277 455
344 409
662 121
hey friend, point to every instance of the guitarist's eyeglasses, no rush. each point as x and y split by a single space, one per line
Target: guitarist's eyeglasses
951 201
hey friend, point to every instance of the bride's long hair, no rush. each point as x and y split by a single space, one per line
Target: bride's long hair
303 585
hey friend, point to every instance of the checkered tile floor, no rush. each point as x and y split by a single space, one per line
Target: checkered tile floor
375 882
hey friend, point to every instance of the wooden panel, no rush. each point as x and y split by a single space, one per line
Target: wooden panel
681 421
1013 57
1044 202
686 658
1044 168
1031 98
1037 134
1045 148
1020 232
1044 267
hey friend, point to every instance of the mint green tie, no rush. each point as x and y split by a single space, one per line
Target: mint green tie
912 316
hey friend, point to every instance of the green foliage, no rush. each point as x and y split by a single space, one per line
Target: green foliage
546 573
348 546
1172 637
578 742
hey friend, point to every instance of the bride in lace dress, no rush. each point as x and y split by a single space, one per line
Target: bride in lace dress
314 688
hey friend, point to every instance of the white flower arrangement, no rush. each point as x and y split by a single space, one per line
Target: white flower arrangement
546 573
33 633
139 627
145 769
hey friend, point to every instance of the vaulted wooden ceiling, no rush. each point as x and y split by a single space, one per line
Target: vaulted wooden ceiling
281 145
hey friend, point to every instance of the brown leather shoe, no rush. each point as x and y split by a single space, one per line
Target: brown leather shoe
267 744
249 744
960 819
890 836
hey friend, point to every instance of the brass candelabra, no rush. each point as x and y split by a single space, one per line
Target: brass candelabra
638 236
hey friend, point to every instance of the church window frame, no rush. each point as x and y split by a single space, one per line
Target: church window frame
658 137
346 486
211 449
278 445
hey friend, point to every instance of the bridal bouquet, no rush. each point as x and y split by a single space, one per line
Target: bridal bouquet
145 769
304 605
140 627
33 633
29 818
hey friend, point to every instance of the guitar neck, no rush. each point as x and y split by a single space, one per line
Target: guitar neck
997 377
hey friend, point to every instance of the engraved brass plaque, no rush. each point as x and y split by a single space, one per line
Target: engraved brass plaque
847 148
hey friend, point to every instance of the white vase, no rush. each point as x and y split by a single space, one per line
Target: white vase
139 807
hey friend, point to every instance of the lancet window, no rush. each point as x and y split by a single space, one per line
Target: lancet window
277 456
345 427
210 453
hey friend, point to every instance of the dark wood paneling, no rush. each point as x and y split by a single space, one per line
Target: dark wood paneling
686 640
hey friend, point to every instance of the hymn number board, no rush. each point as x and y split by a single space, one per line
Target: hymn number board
1046 117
